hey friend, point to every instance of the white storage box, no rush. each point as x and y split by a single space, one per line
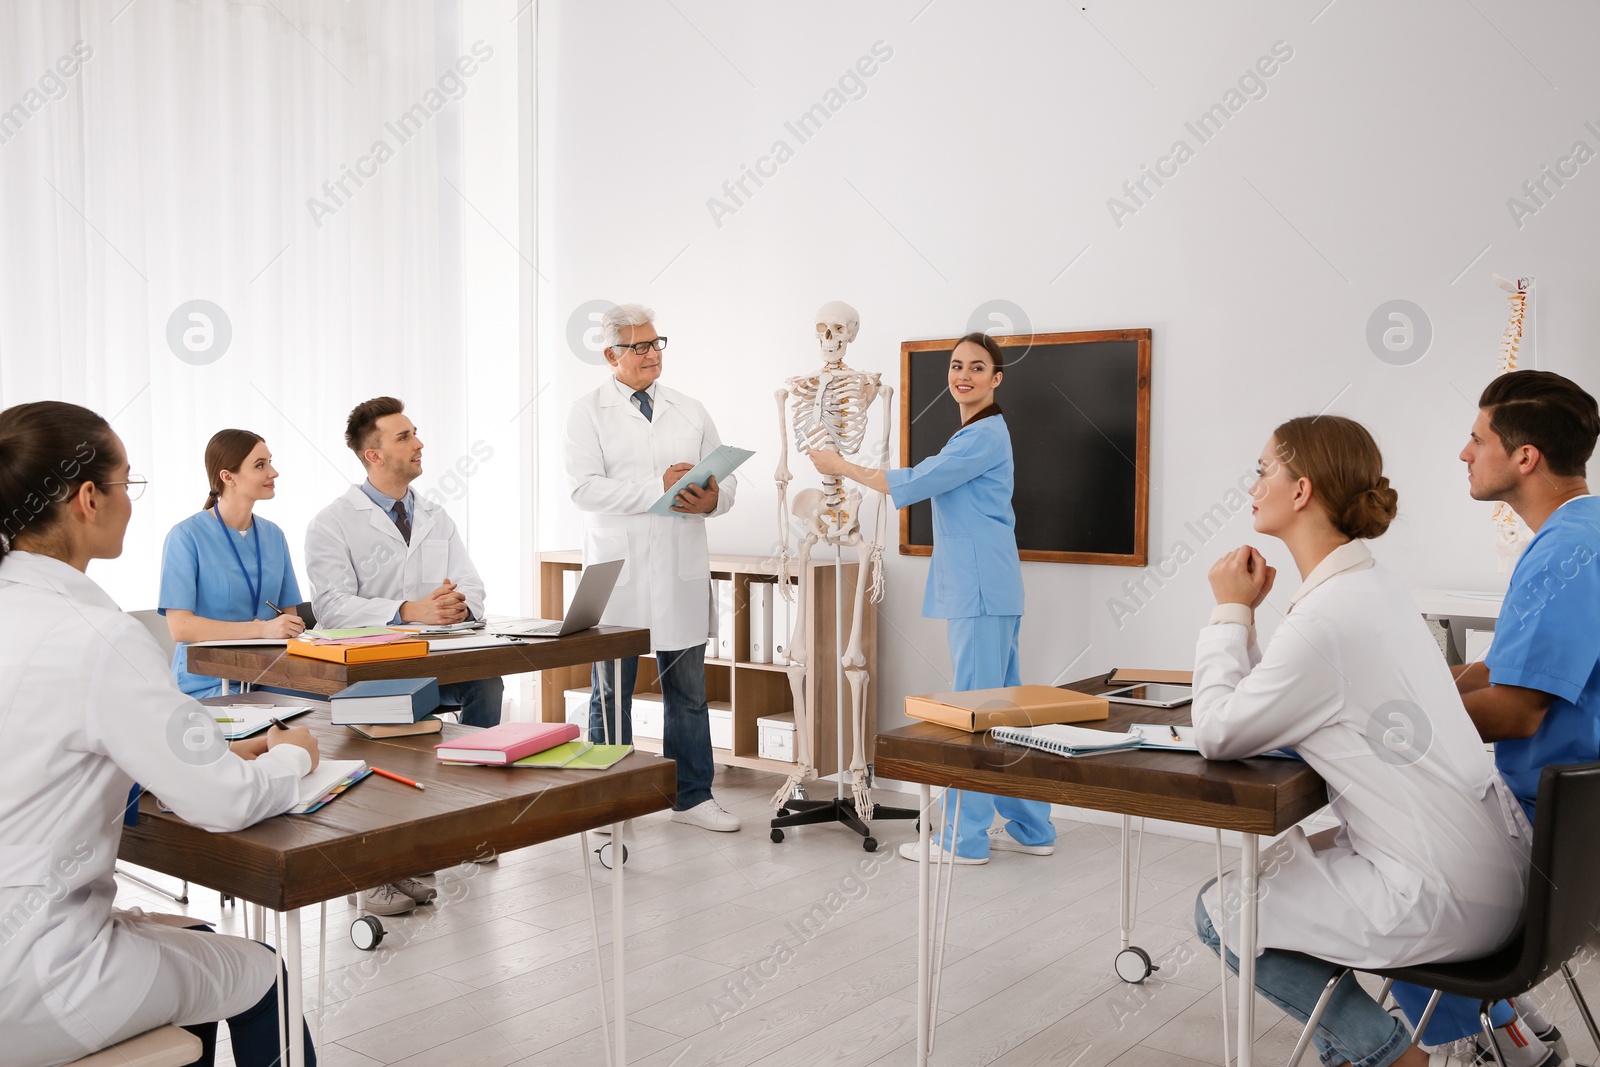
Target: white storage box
721 715
649 719
578 710
775 737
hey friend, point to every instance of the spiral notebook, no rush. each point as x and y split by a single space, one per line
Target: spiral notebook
1066 740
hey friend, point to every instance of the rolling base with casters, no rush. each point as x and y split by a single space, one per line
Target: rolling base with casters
607 853
366 933
840 810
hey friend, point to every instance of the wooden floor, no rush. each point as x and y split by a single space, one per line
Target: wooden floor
745 952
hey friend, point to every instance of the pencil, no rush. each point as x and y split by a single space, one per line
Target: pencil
397 777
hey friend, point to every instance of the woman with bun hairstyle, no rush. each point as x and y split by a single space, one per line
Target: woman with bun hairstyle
224 568
1428 862
89 708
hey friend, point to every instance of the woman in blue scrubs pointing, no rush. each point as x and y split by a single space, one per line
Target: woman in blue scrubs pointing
975 580
225 572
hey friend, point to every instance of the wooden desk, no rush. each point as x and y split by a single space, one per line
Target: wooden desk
380 830
264 665
1256 796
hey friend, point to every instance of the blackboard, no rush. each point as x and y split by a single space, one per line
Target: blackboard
1078 408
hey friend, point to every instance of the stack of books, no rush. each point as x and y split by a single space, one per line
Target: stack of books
502 745
397 707
366 644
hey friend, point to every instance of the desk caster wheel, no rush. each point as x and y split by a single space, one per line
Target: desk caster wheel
870 844
1133 965
606 854
366 933
777 835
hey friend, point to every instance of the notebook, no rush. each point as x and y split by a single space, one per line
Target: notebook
331 777
250 719
506 743
576 756
1161 737
1066 740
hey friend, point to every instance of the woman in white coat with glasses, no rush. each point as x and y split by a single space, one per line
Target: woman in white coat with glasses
89 707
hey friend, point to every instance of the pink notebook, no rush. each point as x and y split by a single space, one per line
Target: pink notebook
506 743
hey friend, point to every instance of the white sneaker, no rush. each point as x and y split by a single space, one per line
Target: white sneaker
708 815
1001 841
417 890
910 851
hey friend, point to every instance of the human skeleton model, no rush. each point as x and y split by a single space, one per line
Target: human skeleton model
1511 534
829 411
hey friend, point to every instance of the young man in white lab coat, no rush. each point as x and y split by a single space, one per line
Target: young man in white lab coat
382 555
627 443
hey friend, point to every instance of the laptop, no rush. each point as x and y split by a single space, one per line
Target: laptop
588 604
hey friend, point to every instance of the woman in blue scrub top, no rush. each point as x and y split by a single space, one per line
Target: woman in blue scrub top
975 580
223 569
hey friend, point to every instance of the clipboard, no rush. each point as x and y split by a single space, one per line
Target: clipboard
723 461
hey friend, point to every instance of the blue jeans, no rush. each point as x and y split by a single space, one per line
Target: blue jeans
1454 1018
480 700
688 724
983 650
1354 1028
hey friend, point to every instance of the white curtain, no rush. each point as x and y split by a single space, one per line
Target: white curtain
159 152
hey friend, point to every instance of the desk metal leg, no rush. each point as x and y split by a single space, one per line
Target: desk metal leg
618 970
1249 889
296 991
924 981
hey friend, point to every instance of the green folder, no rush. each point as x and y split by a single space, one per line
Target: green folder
576 755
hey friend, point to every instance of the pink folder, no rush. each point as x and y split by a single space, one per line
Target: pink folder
506 743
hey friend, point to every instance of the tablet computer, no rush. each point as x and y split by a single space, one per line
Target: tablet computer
1152 695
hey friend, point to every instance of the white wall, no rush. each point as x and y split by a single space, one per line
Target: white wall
978 164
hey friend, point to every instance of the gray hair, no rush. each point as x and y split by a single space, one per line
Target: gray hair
612 322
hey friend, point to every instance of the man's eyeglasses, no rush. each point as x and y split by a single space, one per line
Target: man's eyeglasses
135 485
641 347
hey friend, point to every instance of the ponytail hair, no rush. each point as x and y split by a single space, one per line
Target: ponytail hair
1345 467
226 451
48 450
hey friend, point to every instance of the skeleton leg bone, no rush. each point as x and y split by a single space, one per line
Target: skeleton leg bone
807 508
854 664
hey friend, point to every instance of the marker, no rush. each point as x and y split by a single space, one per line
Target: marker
230 720
399 778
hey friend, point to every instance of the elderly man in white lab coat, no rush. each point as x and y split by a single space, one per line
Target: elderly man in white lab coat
382 555
627 443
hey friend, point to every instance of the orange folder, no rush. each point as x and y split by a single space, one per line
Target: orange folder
359 653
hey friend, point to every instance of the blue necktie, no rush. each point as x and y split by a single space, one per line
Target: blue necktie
644 404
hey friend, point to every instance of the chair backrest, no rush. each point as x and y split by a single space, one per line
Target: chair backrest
307 615
156 623
1563 906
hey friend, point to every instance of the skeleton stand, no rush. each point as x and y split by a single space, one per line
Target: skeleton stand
841 809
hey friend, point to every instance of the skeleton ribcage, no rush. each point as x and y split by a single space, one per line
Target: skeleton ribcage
829 411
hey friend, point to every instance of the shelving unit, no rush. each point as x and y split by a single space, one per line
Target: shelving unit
752 690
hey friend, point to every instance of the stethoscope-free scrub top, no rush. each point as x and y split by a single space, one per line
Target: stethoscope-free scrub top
975 568
202 574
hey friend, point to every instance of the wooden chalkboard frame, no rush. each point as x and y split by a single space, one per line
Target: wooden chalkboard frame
1139 557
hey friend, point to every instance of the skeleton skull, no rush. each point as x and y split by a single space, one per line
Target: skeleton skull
837 323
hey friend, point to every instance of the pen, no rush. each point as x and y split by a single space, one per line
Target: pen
274 607
399 778
277 722
1175 735
230 720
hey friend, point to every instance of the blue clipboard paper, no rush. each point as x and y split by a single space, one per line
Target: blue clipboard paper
719 464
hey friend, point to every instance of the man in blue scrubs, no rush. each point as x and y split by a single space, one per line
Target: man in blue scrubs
1536 695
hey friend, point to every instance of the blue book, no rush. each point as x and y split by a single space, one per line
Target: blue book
393 700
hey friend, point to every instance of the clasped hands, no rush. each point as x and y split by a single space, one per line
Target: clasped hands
1242 577
443 606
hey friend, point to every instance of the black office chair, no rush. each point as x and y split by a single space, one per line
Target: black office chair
1560 915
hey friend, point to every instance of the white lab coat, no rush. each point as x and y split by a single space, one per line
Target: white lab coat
362 570
88 706
615 461
1430 862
